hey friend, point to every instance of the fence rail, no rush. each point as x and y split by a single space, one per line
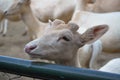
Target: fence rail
51 71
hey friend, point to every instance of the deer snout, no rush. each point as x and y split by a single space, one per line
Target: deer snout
28 49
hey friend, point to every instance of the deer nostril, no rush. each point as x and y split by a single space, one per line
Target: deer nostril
30 48
5 12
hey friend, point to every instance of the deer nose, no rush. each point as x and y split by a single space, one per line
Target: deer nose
28 49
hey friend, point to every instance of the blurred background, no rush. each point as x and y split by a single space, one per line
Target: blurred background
13 45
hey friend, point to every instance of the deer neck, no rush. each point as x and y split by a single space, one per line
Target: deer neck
81 4
74 62
31 21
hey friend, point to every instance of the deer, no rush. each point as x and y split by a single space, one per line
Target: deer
60 42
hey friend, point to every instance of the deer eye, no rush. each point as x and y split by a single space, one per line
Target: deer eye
64 38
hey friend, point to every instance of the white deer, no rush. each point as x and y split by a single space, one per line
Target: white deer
60 42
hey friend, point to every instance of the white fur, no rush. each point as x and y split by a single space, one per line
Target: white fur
111 39
113 66
49 9
103 6
51 46
4 5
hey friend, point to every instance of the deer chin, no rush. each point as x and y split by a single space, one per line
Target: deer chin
34 55
40 56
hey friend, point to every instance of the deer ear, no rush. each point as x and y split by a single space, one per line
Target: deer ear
25 1
94 33
55 23
73 27
50 22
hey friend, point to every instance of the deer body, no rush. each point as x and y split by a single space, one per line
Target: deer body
111 39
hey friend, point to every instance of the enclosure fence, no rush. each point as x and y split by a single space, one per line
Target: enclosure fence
49 71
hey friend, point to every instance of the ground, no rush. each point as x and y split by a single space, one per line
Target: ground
13 45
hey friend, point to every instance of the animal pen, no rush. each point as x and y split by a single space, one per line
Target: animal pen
51 71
